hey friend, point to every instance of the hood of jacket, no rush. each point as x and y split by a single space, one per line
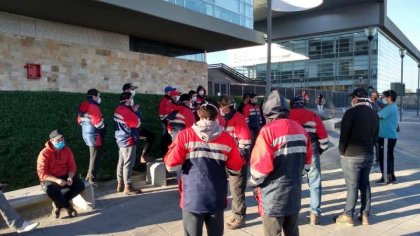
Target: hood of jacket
207 130
275 106
201 88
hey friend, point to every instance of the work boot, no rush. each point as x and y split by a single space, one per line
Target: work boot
313 219
130 190
120 188
55 211
71 211
235 222
344 219
364 218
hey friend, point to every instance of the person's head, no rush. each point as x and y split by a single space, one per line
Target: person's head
253 98
275 106
193 95
168 89
226 105
127 98
320 95
94 95
129 87
303 92
374 96
246 98
57 139
185 99
359 95
174 94
201 91
297 102
208 110
389 97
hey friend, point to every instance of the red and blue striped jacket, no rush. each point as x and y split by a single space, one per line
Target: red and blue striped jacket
252 116
238 129
282 149
127 126
89 116
203 183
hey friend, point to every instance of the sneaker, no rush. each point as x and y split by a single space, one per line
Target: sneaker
235 222
120 188
344 219
71 212
363 218
27 226
313 219
130 190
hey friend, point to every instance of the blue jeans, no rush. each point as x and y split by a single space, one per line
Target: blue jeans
356 174
315 186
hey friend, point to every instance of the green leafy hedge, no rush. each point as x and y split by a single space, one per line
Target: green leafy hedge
26 119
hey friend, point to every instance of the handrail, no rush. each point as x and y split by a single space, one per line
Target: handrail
235 73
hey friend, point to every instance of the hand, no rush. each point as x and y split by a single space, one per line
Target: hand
69 181
61 182
136 107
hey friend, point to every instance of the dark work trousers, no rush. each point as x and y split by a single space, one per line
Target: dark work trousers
165 140
377 153
356 172
237 186
273 225
95 159
60 200
386 158
193 223
149 139
254 135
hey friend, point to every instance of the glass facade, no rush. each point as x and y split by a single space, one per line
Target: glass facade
340 63
389 66
238 12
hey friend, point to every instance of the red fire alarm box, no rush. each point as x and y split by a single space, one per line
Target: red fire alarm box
33 71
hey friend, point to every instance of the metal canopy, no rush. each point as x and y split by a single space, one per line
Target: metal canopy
153 20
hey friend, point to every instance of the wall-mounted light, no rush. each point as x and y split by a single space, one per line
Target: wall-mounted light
294 5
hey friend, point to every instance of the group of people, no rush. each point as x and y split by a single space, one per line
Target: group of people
215 146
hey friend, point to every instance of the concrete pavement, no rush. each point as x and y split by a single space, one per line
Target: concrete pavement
395 208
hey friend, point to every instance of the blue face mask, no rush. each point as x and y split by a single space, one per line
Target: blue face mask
60 145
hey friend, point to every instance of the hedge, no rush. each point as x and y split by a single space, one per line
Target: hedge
26 119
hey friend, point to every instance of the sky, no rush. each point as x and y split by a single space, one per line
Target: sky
404 13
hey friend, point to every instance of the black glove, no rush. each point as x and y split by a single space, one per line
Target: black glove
172 115
245 153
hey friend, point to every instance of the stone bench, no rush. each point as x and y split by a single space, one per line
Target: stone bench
34 195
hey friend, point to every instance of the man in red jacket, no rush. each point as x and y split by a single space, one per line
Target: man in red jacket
182 117
280 153
56 169
203 153
234 123
312 123
93 130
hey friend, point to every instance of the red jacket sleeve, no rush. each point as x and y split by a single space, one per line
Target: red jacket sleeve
176 154
262 157
131 119
242 133
246 112
321 133
234 160
96 117
41 166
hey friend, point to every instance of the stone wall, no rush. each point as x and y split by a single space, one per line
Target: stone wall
75 59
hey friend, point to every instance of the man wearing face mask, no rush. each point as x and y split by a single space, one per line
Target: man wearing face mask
93 131
234 123
182 116
56 169
193 105
145 135
358 135
252 116
126 134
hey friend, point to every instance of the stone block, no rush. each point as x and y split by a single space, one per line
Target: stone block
156 174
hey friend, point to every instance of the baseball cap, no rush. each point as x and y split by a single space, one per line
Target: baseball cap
360 93
174 93
169 88
92 92
128 86
56 134
184 97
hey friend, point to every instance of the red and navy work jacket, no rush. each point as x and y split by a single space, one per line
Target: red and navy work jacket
252 116
184 118
203 183
312 123
127 126
89 116
165 107
282 149
238 129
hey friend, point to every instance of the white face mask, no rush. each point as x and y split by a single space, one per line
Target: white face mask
201 92
133 92
132 102
99 101
177 98
384 101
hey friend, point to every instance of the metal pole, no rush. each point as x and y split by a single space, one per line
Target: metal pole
268 81
369 63
402 92
418 87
